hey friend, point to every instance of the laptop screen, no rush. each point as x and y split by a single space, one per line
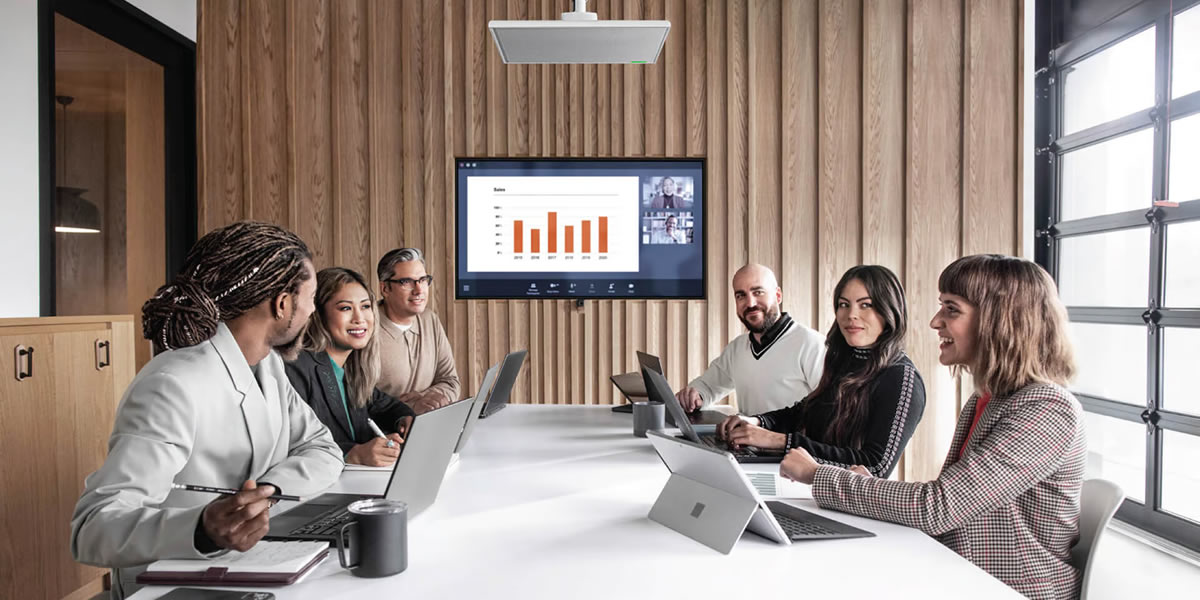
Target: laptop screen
649 361
506 379
659 390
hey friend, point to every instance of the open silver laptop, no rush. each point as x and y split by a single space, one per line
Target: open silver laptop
660 391
477 404
510 368
416 478
634 387
710 499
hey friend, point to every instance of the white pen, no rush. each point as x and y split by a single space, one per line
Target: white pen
379 432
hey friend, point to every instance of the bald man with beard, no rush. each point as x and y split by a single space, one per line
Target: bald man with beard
775 364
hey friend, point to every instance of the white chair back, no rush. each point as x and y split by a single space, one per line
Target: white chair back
1098 502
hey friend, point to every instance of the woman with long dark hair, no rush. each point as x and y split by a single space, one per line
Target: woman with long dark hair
339 367
870 396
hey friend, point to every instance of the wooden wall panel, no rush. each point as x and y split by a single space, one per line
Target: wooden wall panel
764 87
384 146
736 138
311 212
798 271
933 215
883 134
835 132
838 147
990 128
219 108
716 256
264 172
349 135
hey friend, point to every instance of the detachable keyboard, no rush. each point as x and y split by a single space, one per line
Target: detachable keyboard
799 524
327 524
713 441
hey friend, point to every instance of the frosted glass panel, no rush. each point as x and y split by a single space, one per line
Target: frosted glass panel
1111 361
1181 378
1181 478
1185 76
1183 270
1106 269
1183 181
1117 452
1114 83
1110 177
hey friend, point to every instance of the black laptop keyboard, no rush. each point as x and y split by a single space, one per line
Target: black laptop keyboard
802 529
328 524
800 524
713 442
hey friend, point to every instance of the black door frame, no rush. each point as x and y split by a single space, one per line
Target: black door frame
128 26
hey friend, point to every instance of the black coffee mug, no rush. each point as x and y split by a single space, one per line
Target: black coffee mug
378 538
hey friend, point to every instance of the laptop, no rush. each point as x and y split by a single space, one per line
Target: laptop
660 391
710 499
633 385
416 478
477 404
504 383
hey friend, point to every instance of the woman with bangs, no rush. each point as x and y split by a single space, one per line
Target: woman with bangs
339 367
870 396
1007 498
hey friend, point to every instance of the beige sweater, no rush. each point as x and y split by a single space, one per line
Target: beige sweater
418 359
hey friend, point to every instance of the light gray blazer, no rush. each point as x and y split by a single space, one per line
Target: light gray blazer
196 415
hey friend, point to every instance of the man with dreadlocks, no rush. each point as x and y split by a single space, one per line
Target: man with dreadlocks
213 408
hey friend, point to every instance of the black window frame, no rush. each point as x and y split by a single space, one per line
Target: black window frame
128 26
1057 47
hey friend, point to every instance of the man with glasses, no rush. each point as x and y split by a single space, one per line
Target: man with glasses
416 362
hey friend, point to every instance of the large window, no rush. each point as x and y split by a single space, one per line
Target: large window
1118 218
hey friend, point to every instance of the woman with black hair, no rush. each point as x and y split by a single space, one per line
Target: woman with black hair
870 397
337 372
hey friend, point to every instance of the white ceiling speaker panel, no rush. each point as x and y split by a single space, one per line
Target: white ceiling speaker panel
579 38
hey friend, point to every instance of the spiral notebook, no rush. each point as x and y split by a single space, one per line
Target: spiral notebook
266 564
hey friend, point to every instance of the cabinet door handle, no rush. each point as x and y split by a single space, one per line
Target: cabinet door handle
23 352
107 360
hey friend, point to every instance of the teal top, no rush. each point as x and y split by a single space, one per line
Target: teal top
340 374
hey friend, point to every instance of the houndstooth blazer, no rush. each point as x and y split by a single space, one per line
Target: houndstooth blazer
1010 505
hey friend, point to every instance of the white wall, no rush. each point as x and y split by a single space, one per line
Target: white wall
179 15
19 159
19 168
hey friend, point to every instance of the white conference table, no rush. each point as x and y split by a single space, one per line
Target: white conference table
551 502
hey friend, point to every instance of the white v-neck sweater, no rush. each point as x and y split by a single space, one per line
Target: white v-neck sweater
784 374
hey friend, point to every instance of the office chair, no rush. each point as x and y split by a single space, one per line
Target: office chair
1098 501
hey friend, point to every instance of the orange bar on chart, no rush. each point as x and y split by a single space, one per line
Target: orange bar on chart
569 235
587 236
603 234
534 240
517 227
552 232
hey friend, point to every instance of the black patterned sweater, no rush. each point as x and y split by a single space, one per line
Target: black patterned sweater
896 403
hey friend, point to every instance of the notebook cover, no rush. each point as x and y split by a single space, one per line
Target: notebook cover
222 576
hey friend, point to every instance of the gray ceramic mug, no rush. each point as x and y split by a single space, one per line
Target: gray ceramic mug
378 538
647 416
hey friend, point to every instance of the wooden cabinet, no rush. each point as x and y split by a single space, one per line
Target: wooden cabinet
57 405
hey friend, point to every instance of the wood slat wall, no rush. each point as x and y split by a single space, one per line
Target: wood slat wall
836 132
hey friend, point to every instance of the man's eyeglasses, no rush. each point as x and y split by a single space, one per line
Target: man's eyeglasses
407 283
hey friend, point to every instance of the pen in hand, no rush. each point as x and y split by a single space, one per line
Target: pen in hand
228 491
379 432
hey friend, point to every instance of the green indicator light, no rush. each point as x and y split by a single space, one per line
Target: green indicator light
638 62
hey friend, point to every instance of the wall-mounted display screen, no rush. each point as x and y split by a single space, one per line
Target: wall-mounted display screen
579 228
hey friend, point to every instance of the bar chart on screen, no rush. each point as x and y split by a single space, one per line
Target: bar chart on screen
553 224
